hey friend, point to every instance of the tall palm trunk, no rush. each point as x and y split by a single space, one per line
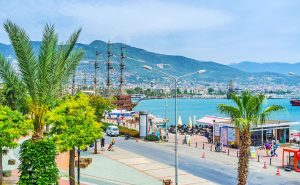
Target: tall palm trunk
243 163
39 113
1 167
72 167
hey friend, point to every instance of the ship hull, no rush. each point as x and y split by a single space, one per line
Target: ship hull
295 102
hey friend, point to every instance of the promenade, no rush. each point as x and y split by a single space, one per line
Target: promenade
200 142
103 170
153 168
215 166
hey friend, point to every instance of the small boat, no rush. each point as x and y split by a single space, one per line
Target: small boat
295 102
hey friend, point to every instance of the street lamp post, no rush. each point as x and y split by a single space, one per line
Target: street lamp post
293 74
166 105
176 125
78 165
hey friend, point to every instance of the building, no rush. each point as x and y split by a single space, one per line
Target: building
223 129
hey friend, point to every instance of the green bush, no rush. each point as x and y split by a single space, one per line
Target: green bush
151 137
38 164
130 132
105 125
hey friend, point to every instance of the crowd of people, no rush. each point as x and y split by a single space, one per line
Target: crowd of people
271 148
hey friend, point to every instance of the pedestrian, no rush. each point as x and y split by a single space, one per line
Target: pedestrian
274 147
217 148
268 148
102 144
118 120
190 141
111 145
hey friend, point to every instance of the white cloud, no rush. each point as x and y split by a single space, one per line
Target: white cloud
122 21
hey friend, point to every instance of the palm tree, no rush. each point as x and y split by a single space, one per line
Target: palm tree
40 77
248 111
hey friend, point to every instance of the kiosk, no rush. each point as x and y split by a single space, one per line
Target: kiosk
296 156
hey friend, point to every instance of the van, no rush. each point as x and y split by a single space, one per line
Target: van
112 131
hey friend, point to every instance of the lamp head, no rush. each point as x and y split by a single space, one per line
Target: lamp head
201 71
147 67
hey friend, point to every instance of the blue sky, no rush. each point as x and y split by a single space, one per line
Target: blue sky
224 31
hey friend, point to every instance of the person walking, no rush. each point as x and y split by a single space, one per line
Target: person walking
268 148
102 144
274 147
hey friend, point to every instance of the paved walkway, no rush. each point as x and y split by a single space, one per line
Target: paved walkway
232 159
200 142
107 171
103 170
154 169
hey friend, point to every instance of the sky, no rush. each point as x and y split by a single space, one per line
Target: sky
223 31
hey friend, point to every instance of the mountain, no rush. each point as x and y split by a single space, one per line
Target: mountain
175 65
277 67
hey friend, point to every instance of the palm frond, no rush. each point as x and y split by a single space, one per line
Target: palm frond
68 47
66 60
231 111
237 101
46 56
7 73
25 56
268 111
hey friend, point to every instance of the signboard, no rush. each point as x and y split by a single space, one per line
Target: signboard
217 129
143 124
252 152
223 137
231 134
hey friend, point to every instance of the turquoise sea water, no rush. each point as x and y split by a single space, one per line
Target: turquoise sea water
202 107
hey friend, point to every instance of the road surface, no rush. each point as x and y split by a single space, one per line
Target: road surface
221 173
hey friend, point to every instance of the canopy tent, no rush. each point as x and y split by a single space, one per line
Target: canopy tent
179 122
194 120
190 123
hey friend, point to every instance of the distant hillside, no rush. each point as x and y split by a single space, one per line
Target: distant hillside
175 65
277 67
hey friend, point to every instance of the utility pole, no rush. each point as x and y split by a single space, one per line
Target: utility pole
122 68
96 73
109 66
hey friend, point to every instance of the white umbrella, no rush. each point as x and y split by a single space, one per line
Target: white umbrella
179 122
194 121
190 123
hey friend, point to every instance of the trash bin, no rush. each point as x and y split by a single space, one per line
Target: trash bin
167 182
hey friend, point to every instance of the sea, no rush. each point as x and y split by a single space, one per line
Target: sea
202 107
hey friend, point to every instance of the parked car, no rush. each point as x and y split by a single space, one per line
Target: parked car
112 131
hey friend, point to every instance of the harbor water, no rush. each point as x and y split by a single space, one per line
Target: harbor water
202 107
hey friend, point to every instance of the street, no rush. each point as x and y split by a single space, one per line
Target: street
222 173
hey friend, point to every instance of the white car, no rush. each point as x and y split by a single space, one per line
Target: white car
112 131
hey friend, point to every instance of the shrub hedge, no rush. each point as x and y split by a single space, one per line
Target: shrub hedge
151 137
38 164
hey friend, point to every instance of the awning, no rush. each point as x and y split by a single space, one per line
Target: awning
210 120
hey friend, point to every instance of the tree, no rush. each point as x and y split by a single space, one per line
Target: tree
248 111
12 125
210 91
40 77
74 126
100 105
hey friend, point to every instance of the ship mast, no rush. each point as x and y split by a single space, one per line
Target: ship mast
96 73
122 68
108 81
